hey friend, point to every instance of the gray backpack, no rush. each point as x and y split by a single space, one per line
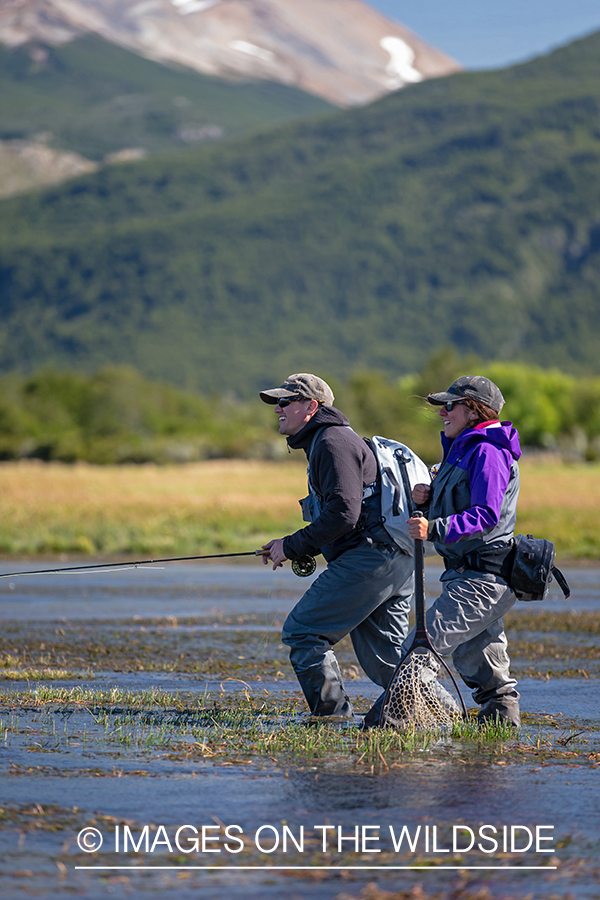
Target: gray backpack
400 469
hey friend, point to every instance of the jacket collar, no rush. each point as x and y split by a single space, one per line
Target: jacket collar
324 417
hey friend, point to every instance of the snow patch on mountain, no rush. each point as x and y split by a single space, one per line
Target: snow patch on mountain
186 7
400 67
252 49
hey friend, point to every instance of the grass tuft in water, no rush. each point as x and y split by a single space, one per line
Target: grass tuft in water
82 696
244 728
487 732
13 669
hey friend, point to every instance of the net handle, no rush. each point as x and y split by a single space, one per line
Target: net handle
421 637
421 629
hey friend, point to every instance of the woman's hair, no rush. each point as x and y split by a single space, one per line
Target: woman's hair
484 413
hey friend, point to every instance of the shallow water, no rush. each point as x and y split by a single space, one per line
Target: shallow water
77 780
205 589
176 590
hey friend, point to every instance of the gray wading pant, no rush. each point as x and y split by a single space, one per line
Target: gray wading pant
365 593
466 622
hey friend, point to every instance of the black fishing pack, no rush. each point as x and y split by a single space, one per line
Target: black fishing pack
533 568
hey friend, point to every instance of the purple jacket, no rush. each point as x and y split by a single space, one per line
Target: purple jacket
474 494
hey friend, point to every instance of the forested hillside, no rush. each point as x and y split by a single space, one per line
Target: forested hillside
95 98
462 211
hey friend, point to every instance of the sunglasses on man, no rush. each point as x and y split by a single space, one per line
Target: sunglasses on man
282 402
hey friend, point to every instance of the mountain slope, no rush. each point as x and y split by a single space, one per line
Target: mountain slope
341 50
94 98
462 211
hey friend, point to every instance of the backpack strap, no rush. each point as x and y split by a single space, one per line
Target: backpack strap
317 434
561 582
403 462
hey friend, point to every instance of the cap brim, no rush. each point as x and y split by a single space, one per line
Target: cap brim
444 397
275 394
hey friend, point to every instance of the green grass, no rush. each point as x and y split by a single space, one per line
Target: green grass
12 669
230 505
259 729
219 726
84 697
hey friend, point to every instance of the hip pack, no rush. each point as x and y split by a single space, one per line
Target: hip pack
527 564
533 569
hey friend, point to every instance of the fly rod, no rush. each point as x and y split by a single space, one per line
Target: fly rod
302 566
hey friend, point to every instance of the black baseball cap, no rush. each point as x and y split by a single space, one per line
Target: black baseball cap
472 387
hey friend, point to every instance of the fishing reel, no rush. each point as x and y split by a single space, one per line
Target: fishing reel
304 566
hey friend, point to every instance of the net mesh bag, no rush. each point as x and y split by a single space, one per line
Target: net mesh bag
421 694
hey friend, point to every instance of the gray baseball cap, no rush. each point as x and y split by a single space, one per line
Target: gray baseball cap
303 386
473 387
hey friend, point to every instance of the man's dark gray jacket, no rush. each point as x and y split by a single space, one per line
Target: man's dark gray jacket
341 465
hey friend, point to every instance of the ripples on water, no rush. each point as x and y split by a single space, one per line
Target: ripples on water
461 788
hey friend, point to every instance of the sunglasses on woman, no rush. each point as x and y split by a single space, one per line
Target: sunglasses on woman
450 404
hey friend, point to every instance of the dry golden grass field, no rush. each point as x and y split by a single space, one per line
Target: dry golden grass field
231 505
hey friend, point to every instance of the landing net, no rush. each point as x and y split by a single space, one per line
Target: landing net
421 694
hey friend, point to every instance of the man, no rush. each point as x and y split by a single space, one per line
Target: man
366 588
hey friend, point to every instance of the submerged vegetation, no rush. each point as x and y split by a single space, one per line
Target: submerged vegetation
246 728
229 726
220 750
543 644
237 651
155 746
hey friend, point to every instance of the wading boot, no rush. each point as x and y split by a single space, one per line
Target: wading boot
501 709
323 687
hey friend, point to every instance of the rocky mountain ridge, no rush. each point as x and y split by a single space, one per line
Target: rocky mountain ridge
341 50
30 164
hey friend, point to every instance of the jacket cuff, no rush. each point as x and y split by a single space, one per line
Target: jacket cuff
287 549
432 534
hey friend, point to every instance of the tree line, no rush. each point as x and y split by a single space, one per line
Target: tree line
117 416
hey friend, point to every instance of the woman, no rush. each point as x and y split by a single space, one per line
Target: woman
469 514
